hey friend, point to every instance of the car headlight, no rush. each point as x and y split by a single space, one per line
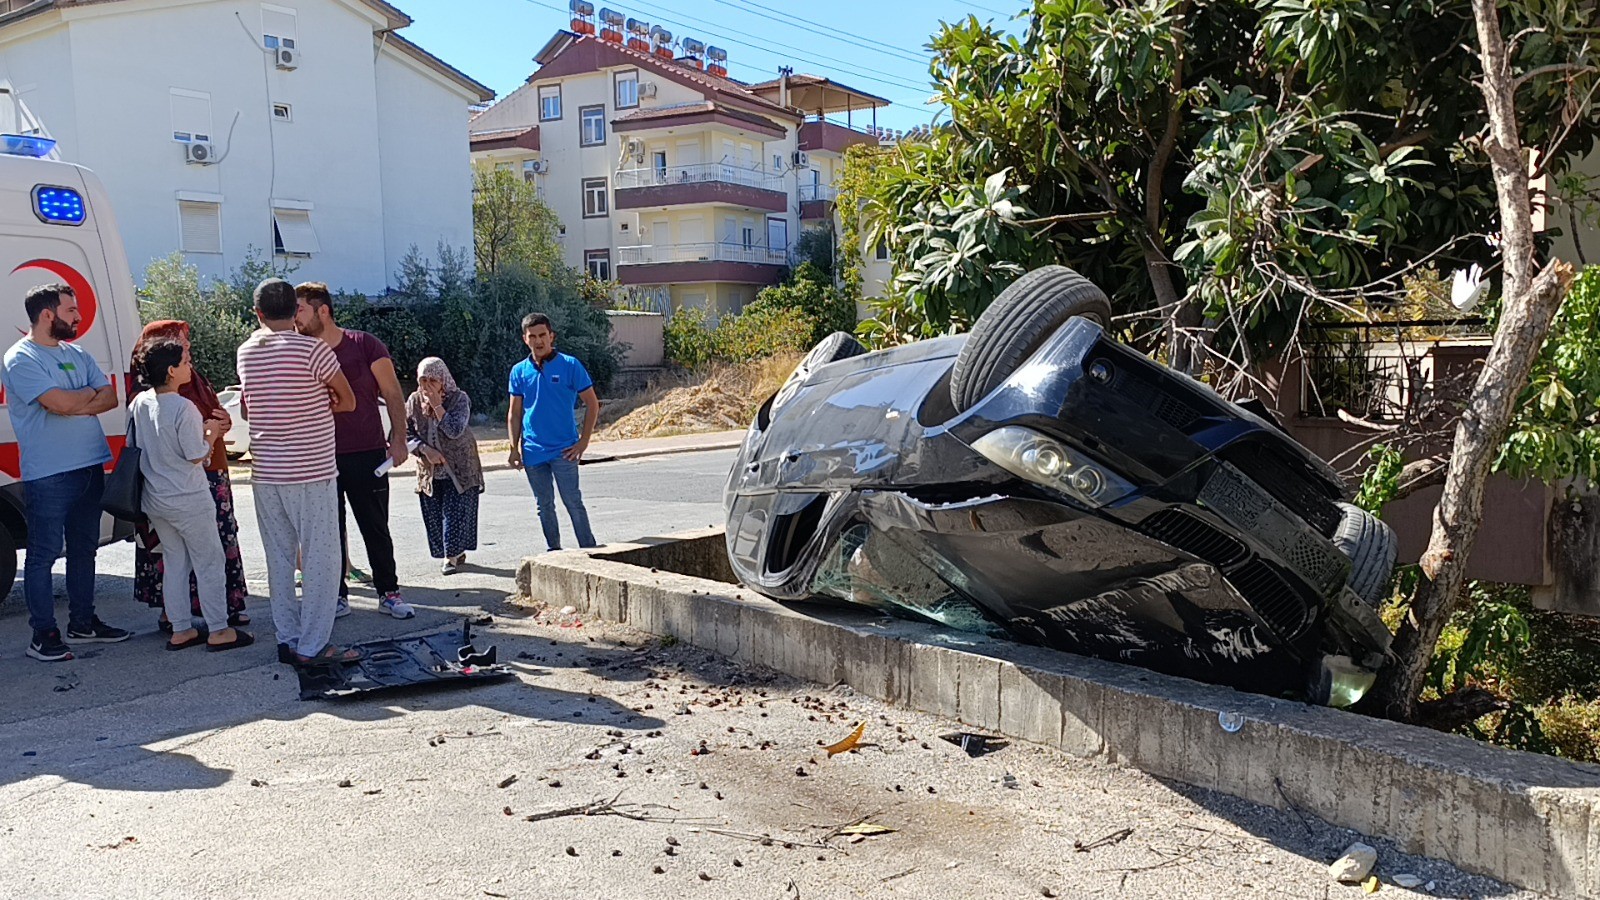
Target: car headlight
1046 461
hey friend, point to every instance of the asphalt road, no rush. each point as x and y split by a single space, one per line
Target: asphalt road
136 773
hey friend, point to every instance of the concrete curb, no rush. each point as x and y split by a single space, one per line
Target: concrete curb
1529 820
598 454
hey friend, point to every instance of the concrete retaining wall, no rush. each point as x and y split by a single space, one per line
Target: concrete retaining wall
1529 820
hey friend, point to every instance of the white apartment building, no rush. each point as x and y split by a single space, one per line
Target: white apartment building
684 185
308 129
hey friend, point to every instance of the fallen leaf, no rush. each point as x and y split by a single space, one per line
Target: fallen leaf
866 828
848 743
1370 886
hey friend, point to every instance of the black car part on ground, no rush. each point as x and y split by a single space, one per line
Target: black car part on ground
445 659
1207 551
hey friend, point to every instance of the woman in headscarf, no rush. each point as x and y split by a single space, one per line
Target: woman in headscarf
147 562
449 474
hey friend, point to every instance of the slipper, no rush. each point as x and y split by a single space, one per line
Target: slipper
238 618
165 626
240 639
197 640
331 654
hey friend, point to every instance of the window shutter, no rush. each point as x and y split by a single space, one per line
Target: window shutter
200 225
294 228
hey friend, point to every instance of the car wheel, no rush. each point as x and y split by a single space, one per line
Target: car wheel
834 347
1371 545
1017 323
8 563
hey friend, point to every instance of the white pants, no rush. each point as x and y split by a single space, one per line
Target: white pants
190 542
303 519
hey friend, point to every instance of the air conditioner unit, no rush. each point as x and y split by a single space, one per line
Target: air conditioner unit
540 167
799 159
636 150
647 90
287 57
200 154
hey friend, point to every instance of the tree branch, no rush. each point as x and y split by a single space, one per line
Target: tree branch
1572 68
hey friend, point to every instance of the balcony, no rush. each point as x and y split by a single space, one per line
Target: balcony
816 201
729 183
729 261
819 135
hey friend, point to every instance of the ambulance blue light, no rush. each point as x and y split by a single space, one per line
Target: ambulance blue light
58 205
26 145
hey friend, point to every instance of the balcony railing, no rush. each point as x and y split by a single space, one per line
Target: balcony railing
700 173
708 251
810 192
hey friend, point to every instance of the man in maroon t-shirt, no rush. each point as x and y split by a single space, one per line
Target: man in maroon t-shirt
360 442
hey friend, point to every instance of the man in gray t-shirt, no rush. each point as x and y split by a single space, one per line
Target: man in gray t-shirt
54 393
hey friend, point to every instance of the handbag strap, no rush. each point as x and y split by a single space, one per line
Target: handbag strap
131 438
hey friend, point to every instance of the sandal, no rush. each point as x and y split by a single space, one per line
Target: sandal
240 639
331 654
239 618
198 639
165 625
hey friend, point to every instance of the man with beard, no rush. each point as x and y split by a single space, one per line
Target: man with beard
54 392
361 443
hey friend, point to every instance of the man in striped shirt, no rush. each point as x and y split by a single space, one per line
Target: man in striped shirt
287 379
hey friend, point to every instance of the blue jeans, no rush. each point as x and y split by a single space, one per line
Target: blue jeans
62 509
545 478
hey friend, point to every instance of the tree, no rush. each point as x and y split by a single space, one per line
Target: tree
511 225
1531 295
1228 170
217 322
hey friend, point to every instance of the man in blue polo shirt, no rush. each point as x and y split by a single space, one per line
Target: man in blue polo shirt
545 439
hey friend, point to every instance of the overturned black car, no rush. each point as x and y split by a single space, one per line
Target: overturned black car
1039 480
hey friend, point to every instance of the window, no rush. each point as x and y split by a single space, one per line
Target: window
505 167
658 160
199 226
282 112
550 103
595 202
598 263
278 27
778 235
881 252
292 234
530 168
627 95
191 116
777 162
591 126
747 235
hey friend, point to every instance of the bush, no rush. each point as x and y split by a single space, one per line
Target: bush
1572 726
216 328
816 247
438 309
811 291
760 331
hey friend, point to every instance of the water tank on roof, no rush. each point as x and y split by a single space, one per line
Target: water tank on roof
692 47
581 7
611 17
716 54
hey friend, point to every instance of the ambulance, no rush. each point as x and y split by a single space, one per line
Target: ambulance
56 226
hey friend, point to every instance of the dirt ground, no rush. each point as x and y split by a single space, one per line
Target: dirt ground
614 766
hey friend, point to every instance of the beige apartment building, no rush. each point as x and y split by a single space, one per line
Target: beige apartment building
687 187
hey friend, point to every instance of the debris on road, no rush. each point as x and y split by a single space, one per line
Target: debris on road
1354 866
1112 839
848 743
434 660
975 745
506 782
1407 881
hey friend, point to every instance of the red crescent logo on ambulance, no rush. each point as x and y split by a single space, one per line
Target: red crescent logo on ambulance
73 279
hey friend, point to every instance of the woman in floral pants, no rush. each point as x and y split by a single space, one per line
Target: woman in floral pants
449 473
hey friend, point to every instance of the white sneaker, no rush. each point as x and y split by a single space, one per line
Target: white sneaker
342 609
395 606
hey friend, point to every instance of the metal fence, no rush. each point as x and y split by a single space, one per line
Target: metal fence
1391 371
705 251
700 173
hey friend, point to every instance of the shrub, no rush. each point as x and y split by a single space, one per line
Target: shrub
760 331
811 291
816 247
1572 726
216 325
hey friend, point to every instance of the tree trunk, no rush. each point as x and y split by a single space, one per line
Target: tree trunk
1530 302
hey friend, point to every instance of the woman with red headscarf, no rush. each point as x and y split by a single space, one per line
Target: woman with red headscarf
147 565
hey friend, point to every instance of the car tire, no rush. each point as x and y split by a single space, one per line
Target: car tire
834 347
1015 325
8 562
1371 546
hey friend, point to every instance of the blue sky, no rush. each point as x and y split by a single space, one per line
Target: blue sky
880 52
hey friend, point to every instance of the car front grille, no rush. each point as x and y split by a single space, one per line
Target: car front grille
1167 405
1271 597
1193 536
1253 509
1286 482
